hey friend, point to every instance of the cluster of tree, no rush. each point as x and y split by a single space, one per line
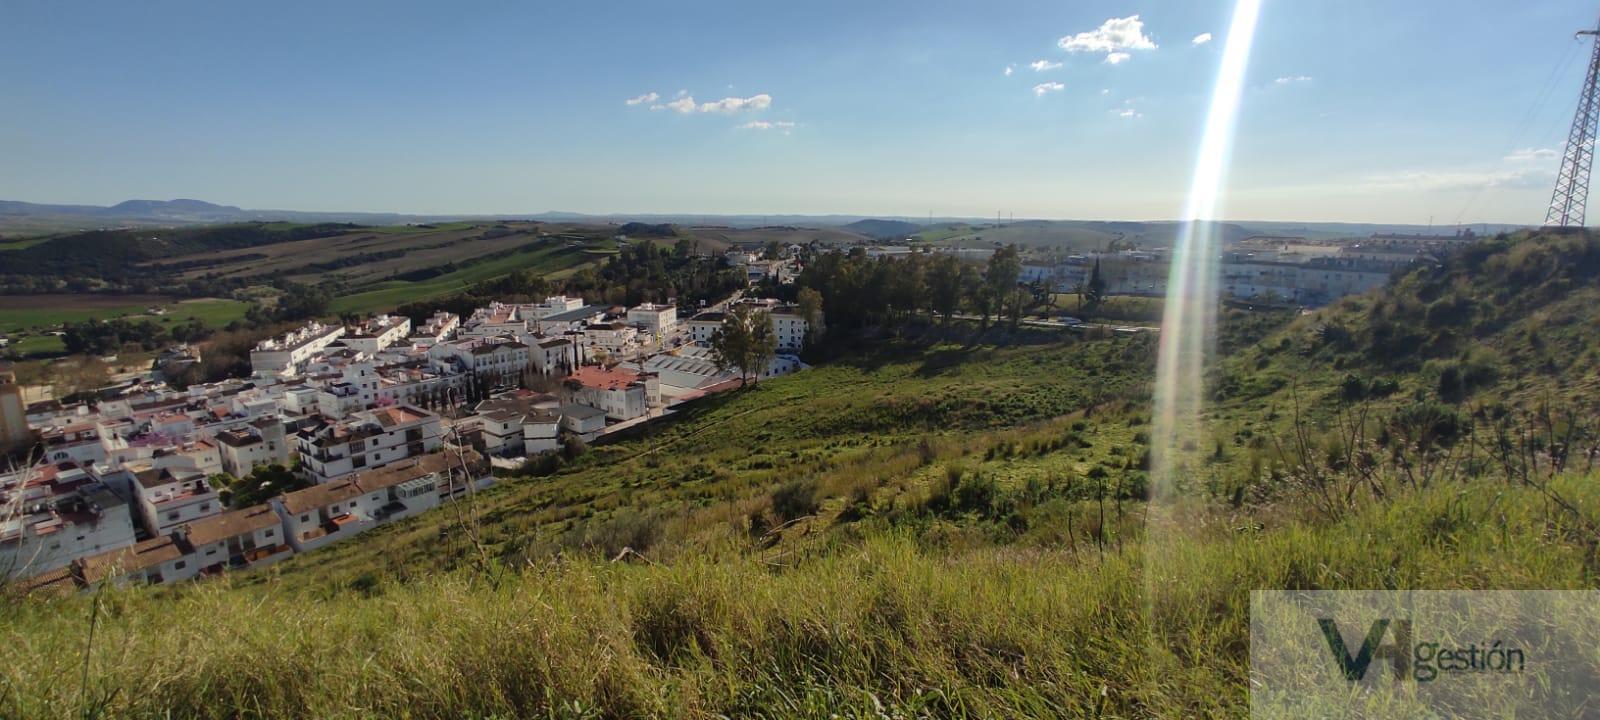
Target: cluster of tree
746 340
120 259
642 272
296 303
648 272
105 337
860 291
262 484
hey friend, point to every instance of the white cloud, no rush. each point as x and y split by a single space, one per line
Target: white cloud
1201 39
1114 35
1292 80
1117 58
1010 69
1105 91
1530 155
783 125
736 104
1459 179
1128 112
648 97
1043 65
685 104
1042 89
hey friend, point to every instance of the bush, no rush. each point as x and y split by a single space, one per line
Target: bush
795 500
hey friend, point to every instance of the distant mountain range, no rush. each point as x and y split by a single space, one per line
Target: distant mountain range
24 218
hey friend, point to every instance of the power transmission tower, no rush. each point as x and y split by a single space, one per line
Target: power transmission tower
1572 185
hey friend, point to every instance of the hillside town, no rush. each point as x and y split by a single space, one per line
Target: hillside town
341 428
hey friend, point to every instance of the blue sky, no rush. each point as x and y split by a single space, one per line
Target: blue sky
1360 110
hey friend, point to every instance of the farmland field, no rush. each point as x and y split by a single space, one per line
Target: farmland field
551 258
21 312
716 239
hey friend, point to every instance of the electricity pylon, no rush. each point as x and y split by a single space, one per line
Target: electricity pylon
1572 185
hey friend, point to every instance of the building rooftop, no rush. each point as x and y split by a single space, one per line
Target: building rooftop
599 378
302 501
232 524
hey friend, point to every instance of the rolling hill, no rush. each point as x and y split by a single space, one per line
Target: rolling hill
930 524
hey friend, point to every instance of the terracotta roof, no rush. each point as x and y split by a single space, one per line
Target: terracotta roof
123 561
232 524
591 376
361 483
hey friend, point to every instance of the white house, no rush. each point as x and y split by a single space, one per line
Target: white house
169 497
584 421
378 333
654 320
64 514
367 439
260 442
289 352
621 394
703 326
325 513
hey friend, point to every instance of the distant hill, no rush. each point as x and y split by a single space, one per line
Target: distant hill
639 229
884 229
180 209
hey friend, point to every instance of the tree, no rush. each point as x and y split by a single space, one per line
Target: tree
810 302
1095 291
944 286
730 345
977 292
763 343
745 341
1005 265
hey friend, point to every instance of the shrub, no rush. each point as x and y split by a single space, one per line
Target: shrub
795 499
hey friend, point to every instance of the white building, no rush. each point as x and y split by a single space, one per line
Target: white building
790 327
289 352
260 442
584 421
621 394
367 439
703 326
613 337
654 320
326 513
517 424
437 329
169 497
64 514
378 333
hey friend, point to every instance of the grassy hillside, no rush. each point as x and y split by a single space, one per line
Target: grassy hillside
925 526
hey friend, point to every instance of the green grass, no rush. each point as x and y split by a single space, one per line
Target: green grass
552 258
1116 308
887 624
960 533
215 312
37 345
21 243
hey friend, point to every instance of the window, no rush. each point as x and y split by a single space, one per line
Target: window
305 518
179 565
172 516
270 532
205 506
